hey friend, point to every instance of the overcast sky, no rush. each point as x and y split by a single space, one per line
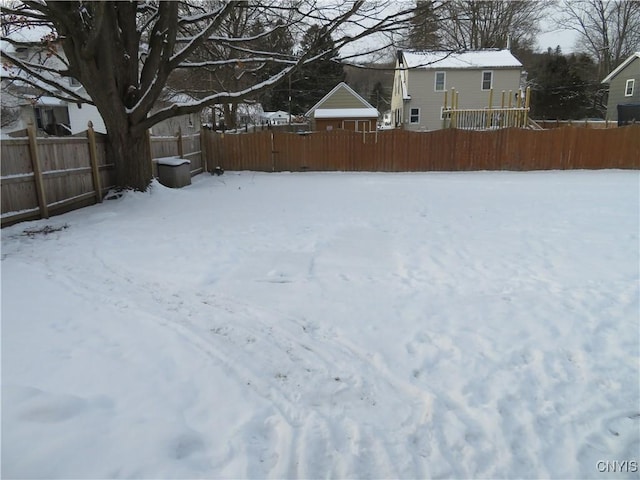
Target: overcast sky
565 38
550 36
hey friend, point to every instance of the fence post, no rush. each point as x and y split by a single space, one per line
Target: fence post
526 104
93 157
273 153
179 140
150 152
37 171
489 120
444 109
454 107
204 151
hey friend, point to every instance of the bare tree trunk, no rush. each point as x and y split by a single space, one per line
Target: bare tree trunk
230 118
132 159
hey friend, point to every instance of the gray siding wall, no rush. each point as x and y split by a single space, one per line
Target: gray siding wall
617 88
467 82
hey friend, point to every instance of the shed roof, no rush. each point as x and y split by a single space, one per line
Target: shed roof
278 114
439 60
345 113
621 67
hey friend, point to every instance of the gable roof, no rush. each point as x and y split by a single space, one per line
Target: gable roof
432 60
351 91
621 67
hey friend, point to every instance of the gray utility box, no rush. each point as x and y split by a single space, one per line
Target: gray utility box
174 172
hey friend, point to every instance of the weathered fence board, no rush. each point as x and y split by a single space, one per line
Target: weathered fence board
442 150
52 175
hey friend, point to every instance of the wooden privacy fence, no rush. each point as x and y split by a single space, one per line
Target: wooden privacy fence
47 176
184 146
441 150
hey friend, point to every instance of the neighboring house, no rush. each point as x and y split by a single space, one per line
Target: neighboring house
22 103
275 118
343 108
50 115
422 78
387 119
187 124
624 90
249 113
244 114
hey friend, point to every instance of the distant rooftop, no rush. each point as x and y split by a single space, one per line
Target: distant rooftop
471 59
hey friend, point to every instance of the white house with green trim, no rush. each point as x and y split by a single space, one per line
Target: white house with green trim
422 78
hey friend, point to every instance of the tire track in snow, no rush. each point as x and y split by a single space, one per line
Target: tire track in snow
311 391
325 394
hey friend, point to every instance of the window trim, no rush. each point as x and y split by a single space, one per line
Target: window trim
444 81
490 81
630 82
411 115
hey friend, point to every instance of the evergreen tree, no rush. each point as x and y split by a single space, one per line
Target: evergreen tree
380 97
280 41
314 81
563 87
423 31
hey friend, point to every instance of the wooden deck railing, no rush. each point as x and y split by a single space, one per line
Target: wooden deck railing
506 115
486 118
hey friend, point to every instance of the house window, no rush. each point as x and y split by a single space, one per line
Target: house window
22 52
487 80
415 115
74 82
628 88
440 82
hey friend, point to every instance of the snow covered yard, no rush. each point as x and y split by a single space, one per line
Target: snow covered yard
328 325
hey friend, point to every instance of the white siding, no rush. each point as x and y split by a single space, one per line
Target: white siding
79 118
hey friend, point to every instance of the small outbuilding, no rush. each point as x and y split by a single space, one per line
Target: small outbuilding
343 109
275 118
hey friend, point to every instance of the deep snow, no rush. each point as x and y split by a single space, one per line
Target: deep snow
328 325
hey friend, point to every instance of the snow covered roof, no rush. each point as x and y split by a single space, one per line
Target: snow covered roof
621 67
29 33
345 113
461 60
50 102
179 97
278 114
